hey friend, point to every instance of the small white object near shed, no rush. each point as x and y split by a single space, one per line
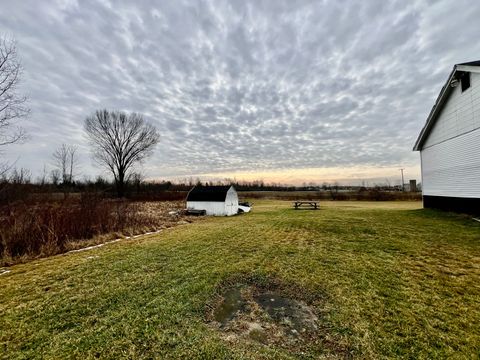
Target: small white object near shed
215 200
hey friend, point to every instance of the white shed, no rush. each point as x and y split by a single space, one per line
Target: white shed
215 200
449 144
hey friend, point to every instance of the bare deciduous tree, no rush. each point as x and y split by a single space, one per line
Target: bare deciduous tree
22 176
12 105
42 179
119 142
55 176
65 160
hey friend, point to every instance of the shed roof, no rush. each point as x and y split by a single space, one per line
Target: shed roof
208 193
458 70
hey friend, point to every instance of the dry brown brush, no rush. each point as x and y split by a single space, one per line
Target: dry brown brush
42 229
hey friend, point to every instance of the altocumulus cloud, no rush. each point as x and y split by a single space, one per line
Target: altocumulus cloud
240 86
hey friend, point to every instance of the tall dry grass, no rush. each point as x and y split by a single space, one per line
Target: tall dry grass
30 229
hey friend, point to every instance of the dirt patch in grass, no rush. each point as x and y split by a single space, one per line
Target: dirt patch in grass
273 314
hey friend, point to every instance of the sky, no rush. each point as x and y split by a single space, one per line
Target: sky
284 91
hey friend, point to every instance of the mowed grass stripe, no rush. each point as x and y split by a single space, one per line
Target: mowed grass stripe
392 281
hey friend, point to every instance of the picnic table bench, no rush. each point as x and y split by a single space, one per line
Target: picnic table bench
306 205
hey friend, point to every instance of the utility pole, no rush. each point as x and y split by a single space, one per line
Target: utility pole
403 182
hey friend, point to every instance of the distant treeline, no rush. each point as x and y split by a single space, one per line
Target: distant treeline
18 184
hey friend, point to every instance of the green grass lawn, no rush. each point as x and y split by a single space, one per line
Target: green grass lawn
387 280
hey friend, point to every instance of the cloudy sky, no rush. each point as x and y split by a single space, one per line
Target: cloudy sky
288 91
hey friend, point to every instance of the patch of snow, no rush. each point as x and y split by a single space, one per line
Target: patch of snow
3 272
113 241
94 246
151 232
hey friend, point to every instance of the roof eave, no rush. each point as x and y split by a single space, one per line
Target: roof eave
437 107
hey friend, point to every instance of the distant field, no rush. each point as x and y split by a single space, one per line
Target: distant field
370 194
383 280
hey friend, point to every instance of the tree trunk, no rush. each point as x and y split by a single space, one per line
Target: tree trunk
121 184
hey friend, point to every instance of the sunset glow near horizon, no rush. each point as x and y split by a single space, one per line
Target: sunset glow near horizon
355 176
284 92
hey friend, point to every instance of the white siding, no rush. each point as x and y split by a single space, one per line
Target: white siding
216 208
460 114
452 167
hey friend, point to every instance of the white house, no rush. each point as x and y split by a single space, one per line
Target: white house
449 144
215 200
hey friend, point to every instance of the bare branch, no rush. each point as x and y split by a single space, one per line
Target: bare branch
120 141
12 105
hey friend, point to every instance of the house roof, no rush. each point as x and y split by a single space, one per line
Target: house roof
208 193
458 70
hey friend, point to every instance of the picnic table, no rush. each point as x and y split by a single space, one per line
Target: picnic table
313 205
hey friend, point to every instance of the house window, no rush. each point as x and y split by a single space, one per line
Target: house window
465 81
